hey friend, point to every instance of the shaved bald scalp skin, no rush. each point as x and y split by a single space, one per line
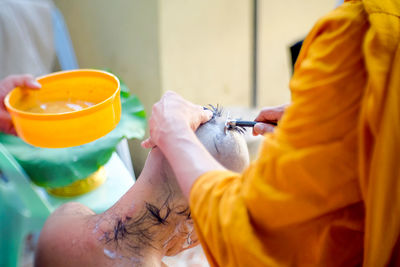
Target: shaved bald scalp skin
150 221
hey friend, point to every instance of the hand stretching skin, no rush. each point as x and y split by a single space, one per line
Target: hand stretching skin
172 125
268 114
6 85
173 114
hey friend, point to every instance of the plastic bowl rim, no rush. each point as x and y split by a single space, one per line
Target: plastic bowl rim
64 115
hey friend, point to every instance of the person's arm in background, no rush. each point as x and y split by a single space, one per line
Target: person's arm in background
6 85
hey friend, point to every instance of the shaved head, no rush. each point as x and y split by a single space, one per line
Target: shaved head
228 148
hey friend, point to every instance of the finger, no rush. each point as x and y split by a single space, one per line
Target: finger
206 115
170 92
33 84
271 113
148 143
25 80
267 114
262 128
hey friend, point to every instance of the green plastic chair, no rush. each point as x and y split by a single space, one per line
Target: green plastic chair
24 207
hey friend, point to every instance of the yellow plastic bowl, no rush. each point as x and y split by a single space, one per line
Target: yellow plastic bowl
72 108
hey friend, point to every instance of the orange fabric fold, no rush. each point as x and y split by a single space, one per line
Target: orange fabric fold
324 190
379 163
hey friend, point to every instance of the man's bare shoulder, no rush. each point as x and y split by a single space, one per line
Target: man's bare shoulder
72 209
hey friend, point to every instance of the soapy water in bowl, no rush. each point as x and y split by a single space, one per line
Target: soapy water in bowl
61 106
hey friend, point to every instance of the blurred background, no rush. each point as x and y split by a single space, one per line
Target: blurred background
231 52
235 53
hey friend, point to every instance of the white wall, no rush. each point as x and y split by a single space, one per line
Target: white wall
282 23
206 50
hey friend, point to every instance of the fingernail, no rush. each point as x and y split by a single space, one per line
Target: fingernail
259 128
36 84
209 113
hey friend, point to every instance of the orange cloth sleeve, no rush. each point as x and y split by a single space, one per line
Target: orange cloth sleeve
379 161
299 203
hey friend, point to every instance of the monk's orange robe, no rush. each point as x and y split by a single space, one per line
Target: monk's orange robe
325 189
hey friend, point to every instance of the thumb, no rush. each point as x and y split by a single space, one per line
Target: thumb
33 84
148 143
207 115
262 128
